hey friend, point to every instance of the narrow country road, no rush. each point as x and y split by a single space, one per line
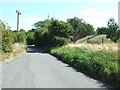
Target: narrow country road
37 69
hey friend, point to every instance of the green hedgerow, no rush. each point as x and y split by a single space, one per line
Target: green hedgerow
99 64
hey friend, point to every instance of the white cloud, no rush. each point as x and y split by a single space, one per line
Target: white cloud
98 18
26 23
31 19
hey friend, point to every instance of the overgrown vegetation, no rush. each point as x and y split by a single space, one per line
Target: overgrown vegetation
7 41
20 36
56 33
101 64
30 38
9 38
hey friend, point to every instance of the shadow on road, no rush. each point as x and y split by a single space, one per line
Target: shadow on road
34 49
103 85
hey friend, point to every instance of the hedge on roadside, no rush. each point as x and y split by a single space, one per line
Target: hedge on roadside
7 40
102 65
21 37
30 38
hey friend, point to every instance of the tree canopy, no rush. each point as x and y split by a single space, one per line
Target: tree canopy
113 33
102 30
41 24
80 26
60 28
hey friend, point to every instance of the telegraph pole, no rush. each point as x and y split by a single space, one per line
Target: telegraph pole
18 13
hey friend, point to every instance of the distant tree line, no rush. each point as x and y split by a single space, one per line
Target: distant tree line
52 32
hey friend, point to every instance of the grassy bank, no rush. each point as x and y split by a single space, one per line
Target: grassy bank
98 61
18 50
99 39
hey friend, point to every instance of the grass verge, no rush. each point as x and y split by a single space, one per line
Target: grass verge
100 63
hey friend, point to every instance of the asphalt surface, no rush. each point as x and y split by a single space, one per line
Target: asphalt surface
37 69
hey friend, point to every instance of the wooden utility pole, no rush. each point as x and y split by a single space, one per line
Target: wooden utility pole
18 13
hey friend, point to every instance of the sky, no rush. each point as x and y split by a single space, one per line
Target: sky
95 12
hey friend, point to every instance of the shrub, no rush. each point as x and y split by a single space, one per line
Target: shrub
44 38
56 33
41 37
60 41
7 40
20 37
60 28
30 38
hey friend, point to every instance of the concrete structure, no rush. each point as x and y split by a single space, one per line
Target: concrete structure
77 36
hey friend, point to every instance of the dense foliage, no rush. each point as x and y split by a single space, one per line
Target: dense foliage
80 26
30 38
111 31
42 37
56 33
113 34
21 36
48 31
10 37
60 28
7 40
41 24
102 30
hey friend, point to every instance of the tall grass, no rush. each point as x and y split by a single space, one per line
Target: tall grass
98 61
18 50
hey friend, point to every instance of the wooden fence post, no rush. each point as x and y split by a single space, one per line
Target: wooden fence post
102 40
